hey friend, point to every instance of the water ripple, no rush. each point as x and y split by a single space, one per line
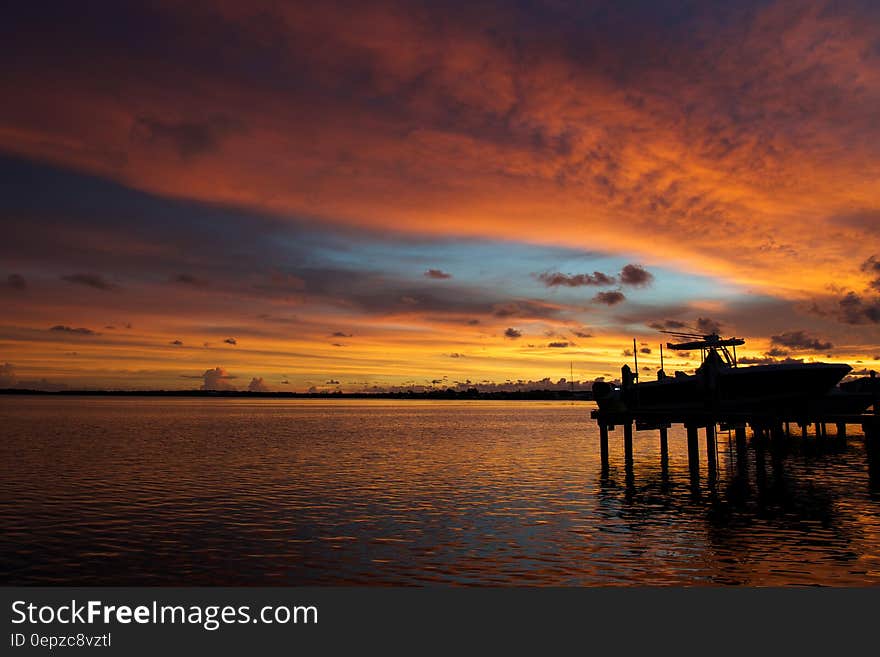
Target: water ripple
190 491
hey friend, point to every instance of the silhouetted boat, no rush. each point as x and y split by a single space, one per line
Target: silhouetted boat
843 401
719 384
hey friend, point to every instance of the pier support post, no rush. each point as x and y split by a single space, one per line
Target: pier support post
628 443
603 444
777 435
664 447
693 450
711 457
741 445
841 431
787 429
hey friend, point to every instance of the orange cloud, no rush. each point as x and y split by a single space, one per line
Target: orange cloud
741 145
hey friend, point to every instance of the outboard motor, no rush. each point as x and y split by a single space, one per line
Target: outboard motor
608 397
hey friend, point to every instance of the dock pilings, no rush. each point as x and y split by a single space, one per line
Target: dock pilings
767 431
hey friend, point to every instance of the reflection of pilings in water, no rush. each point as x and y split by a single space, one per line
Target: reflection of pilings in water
741 444
777 434
664 450
628 457
628 443
778 442
603 446
711 450
664 457
693 450
693 459
760 468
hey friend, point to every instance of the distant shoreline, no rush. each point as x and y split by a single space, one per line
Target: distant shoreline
578 395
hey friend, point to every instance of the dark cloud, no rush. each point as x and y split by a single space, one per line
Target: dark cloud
187 279
216 379
437 274
559 345
776 352
60 328
331 382
852 307
635 275
90 280
484 386
527 308
278 320
16 282
8 377
871 266
555 279
176 342
858 309
282 282
455 354
337 344
864 220
40 384
232 341
512 333
340 334
188 138
799 340
707 325
257 384
667 324
610 298
645 350
581 333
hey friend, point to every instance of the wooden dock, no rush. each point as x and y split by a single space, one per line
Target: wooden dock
765 428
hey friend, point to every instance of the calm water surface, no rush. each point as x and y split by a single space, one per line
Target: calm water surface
193 491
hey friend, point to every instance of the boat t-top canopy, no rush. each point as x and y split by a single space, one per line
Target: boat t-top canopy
706 343
710 341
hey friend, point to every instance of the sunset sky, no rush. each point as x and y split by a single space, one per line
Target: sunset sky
347 195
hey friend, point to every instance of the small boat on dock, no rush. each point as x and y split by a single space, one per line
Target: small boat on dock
719 384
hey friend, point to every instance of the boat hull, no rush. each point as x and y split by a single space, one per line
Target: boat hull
778 387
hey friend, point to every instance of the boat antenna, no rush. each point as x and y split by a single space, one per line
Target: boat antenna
661 356
636 359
